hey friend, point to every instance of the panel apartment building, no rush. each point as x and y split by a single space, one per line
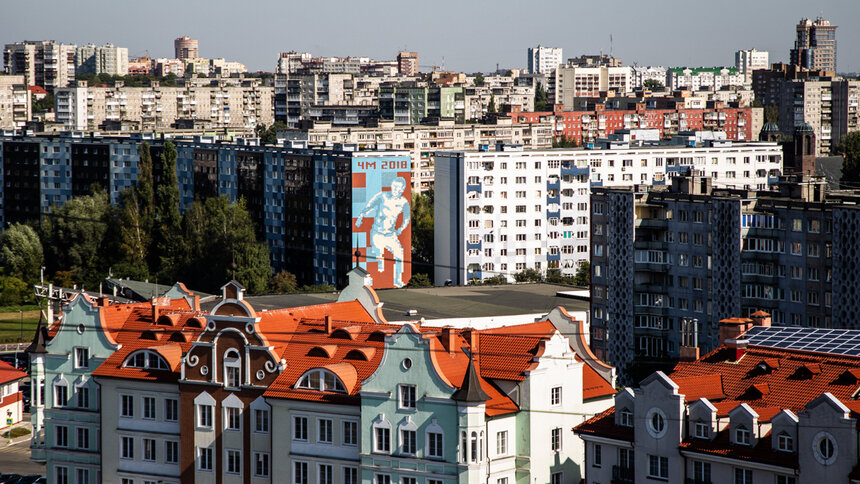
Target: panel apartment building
302 200
692 251
42 63
500 212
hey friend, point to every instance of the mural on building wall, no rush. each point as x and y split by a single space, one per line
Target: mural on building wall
381 235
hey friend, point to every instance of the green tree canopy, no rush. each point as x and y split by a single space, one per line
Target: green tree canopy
540 98
849 148
269 135
283 282
422 231
528 275
652 84
479 79
420 280
167 223
21 252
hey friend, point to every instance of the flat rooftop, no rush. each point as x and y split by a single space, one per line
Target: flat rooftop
443 302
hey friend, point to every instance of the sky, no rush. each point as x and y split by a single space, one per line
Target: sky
464 35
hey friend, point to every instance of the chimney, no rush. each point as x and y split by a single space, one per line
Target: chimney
104 302
449 338
327 324
196 302
761 318
689 353
738 347
731 328
154 309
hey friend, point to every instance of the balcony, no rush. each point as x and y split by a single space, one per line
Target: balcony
623 475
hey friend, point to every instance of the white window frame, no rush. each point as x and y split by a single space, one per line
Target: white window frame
384 426
204 416
407 397
149 404
232 456
555 396
266 460
168 453
126 447
205 455
352 432
261 420
79 352
325 435
300 428
502 443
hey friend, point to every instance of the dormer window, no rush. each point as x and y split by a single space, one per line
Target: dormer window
146 359
742 435
232 369
703 430
322 380
626 419
784 442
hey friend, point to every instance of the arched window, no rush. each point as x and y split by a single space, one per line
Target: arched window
146 359
463 448
474 448
232 368
322 380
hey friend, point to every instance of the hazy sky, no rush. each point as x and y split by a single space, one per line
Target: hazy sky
470 35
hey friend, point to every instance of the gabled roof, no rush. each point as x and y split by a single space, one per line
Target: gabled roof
9 373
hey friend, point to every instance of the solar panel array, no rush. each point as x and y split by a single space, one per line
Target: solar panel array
833 341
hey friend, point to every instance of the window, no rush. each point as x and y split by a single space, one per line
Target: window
204 458
83 393
434 445
171 410
233 462
82 357
502 442
261 420
126 408
324 475
657 423
382 439
625 458
556 439
408 480
234 418
701 471
703 430
232 367
322 380
350 475
786 480
127 448
407 397
149 449
300 428
784 442
324 430
626 417
62 475
658 467
407 441
381 479
597 457
556 478
83 438
61 394
742 435
171 452
204 416
555 396
82 476
146 359
149 407
502 480
61 436
261 464
350 433
300 473
743 476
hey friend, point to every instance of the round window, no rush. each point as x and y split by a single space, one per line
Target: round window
80 329
824 448
656 423
407 363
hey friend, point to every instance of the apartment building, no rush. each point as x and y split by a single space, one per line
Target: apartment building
222 104
501 212
406 104
704 78
407 63
423 141
16 102
312 205
570 82
830 107
103 59
696 251
815 45
42 63
772 404
749 60
669 117
640 74
186 48
544 60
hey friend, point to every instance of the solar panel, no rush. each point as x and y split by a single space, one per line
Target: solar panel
834 341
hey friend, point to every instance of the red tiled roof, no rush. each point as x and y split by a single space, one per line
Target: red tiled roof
603 425
37 90
594 385
704 386
721 445
9 373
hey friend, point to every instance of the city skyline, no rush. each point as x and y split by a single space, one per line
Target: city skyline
476 38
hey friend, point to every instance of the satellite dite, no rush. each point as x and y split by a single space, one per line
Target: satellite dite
381 207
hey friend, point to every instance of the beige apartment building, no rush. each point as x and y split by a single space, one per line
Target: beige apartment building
15 102
830 107
423 141
227 104
43 63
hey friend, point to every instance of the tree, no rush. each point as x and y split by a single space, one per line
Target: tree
528 275
283 282
491 108
652 84
167 223
422 231
44 105
420 280
133 243
479 79
21 252
13 291
771 114
496 280
583 274
144 189
849 148
564 142
540 98
269 135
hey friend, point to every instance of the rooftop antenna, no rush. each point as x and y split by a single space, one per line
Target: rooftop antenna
610 45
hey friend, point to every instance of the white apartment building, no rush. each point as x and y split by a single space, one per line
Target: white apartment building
544 60
749 60
43 63
104 59
643 73
570 82
501 212
15 102
698 78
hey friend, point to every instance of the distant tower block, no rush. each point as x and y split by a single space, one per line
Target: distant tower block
407 63
186 48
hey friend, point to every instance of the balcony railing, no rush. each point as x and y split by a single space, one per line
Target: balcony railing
623 475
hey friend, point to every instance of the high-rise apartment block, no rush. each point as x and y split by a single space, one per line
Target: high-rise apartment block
407 63
186 48
104 59
749 60
544 60
501 212
570 82
15 102
831 108
43 63
815 45
694 251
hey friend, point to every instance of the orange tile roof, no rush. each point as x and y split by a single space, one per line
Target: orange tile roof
9 373
722 446
594 385
704 386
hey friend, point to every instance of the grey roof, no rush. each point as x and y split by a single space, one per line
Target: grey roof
144 290
441 302
770 127
470 390
40 338
803 128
